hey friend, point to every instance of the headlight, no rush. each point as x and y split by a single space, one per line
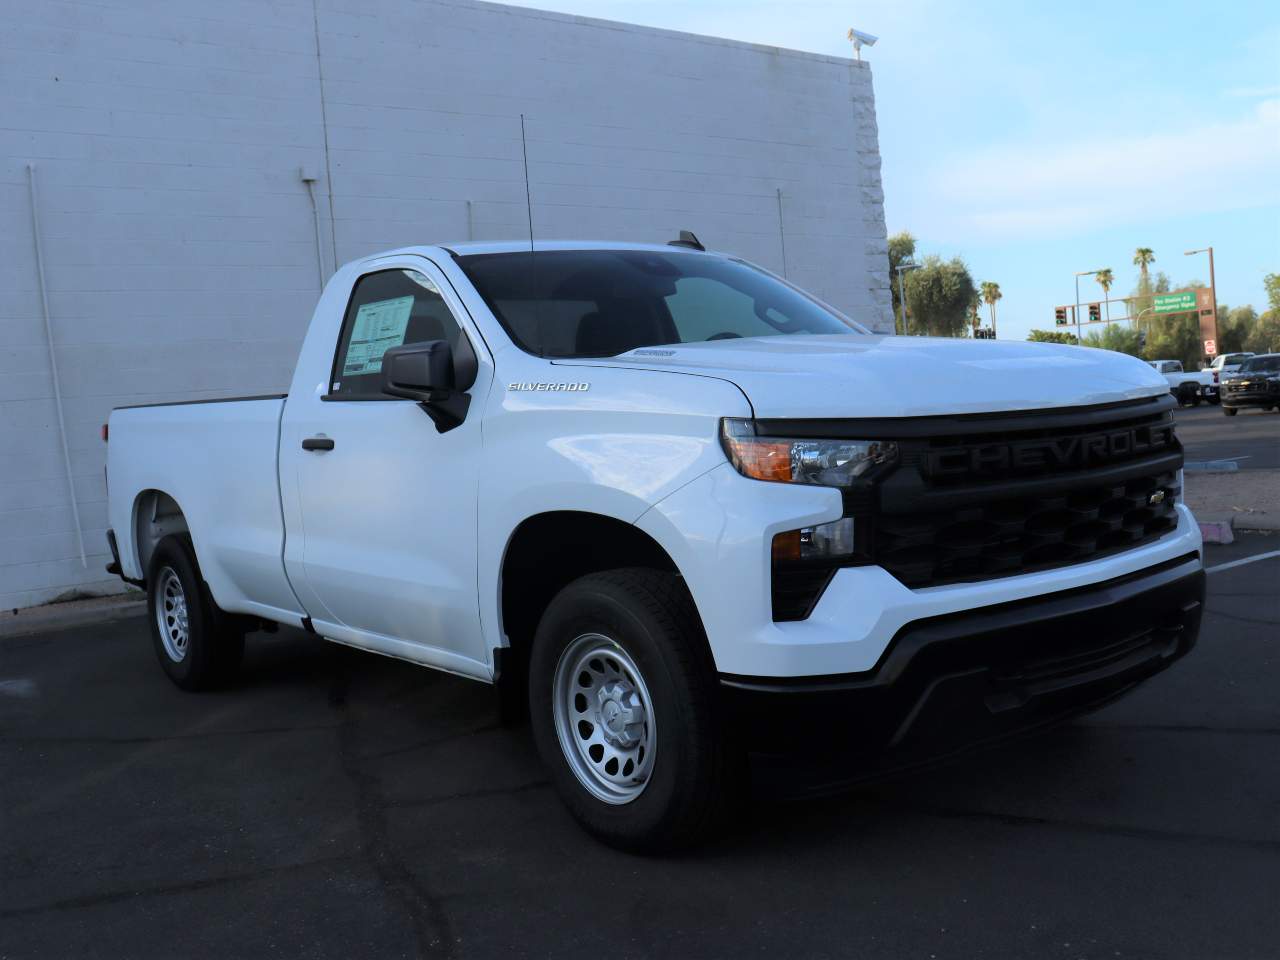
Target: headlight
828 463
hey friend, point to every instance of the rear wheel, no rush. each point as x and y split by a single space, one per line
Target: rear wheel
198 645
1229 411
623 706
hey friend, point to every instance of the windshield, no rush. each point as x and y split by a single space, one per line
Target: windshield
1261 364
600 303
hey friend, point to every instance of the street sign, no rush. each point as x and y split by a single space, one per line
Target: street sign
1179 302
1210 348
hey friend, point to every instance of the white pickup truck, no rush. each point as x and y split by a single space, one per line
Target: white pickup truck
1187 387
692 512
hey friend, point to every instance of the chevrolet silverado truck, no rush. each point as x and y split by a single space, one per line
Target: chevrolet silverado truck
693 513
1186 386
1255 384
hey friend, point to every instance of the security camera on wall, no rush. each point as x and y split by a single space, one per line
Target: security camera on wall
860 40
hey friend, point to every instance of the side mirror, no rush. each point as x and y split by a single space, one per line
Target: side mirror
432 374
418 371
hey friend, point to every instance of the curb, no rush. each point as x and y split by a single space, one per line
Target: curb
59 616
1211 466
1216 529
1262 524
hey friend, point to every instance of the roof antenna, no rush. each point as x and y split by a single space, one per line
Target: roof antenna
528 199
687 239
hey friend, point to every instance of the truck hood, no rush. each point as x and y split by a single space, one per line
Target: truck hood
881 376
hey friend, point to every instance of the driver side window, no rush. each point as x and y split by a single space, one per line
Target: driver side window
387 309
702 308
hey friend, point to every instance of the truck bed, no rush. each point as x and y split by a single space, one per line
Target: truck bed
218 460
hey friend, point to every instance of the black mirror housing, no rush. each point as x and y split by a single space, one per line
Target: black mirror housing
429 373
418 371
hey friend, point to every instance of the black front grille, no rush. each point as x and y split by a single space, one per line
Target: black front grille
965 507
1015 535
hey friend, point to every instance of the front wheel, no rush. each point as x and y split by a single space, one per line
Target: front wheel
623 707
1229 411
197 644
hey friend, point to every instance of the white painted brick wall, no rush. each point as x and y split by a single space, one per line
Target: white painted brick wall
167 136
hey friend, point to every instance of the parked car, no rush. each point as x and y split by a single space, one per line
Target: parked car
1255 384
688 511
1187 387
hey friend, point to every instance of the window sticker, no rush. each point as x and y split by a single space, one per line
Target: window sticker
379 326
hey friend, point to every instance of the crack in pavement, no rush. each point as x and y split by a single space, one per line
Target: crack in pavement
206 883
177 736
431 925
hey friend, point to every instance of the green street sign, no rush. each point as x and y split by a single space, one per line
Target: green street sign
1174 302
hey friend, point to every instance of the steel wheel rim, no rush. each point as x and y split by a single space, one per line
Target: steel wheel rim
604 718
171 615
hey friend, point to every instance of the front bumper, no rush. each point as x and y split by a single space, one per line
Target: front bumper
1254 397
951 682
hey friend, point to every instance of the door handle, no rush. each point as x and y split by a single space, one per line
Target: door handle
317 443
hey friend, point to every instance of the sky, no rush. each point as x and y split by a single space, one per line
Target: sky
1038 139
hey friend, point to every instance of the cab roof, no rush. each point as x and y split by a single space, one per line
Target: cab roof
468 248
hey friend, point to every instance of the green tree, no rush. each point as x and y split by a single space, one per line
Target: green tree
990 294
1234 327
902 248
938 297
1119 338
1265 337
1106 279
1272 284
1143 257
1052 336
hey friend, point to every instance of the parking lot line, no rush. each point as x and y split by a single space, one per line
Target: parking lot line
1242 561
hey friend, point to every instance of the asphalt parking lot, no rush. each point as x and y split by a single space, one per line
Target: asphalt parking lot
1251 438
336 804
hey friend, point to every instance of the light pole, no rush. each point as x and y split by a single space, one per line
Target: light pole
1213 290
902 293
1082 273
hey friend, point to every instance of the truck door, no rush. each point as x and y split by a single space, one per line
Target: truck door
384 551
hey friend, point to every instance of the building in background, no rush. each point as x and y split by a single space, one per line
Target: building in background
201 167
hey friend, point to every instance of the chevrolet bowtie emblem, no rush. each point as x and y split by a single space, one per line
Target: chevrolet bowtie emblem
1156 498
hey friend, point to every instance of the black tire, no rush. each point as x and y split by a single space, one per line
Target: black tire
214 642
650 616
1229 411
1187 395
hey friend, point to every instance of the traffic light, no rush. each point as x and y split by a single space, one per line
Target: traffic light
1095 313
1060 316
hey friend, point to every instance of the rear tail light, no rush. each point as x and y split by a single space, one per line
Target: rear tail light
105 431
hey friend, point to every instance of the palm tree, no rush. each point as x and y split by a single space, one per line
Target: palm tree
1143 257
1105 279
990 294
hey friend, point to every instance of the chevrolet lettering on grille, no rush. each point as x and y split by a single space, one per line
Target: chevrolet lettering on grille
1028 456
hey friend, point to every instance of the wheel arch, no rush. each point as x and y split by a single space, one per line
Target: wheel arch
156 515
548 551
